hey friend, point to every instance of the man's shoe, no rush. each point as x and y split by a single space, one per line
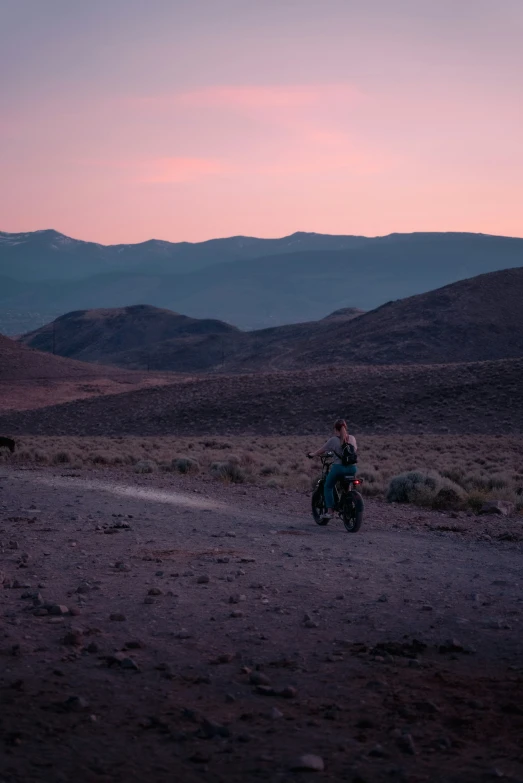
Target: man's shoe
326 518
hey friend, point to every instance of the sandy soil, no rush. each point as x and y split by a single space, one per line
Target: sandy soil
161 628
25 395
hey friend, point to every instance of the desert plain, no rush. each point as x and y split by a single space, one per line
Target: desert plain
192 626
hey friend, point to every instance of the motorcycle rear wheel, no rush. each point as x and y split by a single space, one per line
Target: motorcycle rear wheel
352 512
318 506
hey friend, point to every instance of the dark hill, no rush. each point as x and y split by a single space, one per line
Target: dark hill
473 320
115 336
344 314
141 337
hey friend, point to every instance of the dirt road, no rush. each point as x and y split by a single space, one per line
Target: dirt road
191 632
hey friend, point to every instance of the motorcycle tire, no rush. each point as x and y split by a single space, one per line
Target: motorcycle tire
318 506
352 513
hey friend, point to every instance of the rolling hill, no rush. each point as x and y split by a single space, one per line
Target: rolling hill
142 337
482 397
114 336
247 282
473 320
18 362
31 379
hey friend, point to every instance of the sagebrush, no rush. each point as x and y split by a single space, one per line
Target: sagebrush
465 470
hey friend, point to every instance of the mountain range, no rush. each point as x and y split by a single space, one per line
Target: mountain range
477 319
249 282
49 255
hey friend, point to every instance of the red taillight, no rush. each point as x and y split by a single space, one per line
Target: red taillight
357 481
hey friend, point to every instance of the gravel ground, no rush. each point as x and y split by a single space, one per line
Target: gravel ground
164 628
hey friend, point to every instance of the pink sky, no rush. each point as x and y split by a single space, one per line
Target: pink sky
160 119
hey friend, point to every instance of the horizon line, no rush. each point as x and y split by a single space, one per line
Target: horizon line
269 238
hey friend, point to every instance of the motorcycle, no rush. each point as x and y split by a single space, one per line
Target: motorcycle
348 502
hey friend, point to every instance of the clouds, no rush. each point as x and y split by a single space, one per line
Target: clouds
187 120
256 131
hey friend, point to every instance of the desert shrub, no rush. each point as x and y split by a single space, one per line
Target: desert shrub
368 475
497 482
425 489
99 459
186 465
61 458
274 483
407 486
41 457
476 481
145 466
447 499
270 470
303 481
485 483
228 471
475 501
373 490
216 444
454 474
373 483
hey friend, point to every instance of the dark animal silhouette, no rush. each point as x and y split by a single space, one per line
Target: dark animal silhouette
7 443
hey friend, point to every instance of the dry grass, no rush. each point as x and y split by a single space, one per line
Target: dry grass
484 467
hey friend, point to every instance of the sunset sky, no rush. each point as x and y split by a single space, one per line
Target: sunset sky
122 120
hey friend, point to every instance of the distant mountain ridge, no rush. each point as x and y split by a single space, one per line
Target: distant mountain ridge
50 255
251 283
477 319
